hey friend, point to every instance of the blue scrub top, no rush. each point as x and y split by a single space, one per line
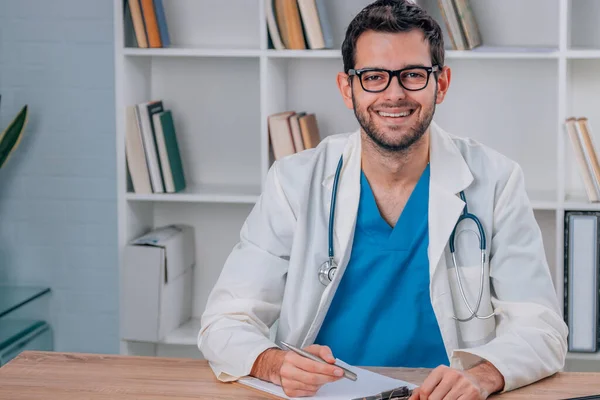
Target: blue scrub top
381 313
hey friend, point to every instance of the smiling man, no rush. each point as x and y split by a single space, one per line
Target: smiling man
355 247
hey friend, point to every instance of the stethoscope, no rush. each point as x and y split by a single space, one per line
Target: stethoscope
328 269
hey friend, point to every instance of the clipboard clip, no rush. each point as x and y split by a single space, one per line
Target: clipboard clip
400 393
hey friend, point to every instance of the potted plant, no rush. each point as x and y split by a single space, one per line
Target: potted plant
11 137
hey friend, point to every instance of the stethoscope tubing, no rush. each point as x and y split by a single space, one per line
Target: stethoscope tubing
328 268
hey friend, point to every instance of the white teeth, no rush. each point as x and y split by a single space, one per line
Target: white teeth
402 114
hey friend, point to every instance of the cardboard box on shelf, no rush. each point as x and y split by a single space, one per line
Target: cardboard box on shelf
157 283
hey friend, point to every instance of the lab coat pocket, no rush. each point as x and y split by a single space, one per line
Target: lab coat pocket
476 331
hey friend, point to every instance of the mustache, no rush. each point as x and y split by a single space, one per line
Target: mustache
402 104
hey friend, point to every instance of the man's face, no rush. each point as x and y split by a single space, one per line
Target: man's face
395 118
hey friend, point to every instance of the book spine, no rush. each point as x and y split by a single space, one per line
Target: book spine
138 23
161 18
151 24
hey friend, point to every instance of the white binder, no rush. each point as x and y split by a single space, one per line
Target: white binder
581 280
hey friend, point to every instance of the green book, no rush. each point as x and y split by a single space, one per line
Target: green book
168 151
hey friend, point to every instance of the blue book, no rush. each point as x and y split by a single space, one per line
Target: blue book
325 25
161 18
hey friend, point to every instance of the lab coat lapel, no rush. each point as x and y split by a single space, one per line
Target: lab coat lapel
449 175
348 195
347 200
346 209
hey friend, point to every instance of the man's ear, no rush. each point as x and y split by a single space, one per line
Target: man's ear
345 87
443 83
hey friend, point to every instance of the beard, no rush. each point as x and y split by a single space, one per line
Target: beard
399 141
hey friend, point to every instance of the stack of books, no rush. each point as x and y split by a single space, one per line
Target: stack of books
584 149
152 153
461 24
298 24
145 24
291 132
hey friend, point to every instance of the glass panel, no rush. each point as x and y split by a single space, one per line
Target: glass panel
13 330
13 297
18 336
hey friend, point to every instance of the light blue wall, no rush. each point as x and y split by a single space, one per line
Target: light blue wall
58 211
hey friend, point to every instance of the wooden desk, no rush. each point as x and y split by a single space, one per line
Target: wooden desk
54 376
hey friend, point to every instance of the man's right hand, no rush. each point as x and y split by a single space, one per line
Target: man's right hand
298 376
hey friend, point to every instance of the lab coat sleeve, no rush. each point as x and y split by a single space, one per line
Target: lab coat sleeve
531 336
246 299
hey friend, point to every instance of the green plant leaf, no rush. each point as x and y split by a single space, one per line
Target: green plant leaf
11 137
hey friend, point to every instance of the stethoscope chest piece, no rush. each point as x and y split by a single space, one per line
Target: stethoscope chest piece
327 272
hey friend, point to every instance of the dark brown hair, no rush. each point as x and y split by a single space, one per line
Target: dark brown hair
393 16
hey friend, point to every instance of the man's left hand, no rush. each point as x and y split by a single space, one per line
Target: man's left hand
447 383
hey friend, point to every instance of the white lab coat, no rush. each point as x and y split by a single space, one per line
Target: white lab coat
271 274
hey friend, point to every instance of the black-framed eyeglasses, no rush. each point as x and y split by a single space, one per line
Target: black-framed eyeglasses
377 80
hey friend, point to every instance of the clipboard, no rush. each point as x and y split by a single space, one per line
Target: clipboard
400 393
368 385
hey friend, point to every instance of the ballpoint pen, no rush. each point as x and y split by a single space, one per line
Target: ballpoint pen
401 393
347 373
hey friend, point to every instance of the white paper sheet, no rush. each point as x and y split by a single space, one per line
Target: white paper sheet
368 384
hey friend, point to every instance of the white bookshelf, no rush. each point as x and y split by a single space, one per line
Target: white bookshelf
222 82
205 193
